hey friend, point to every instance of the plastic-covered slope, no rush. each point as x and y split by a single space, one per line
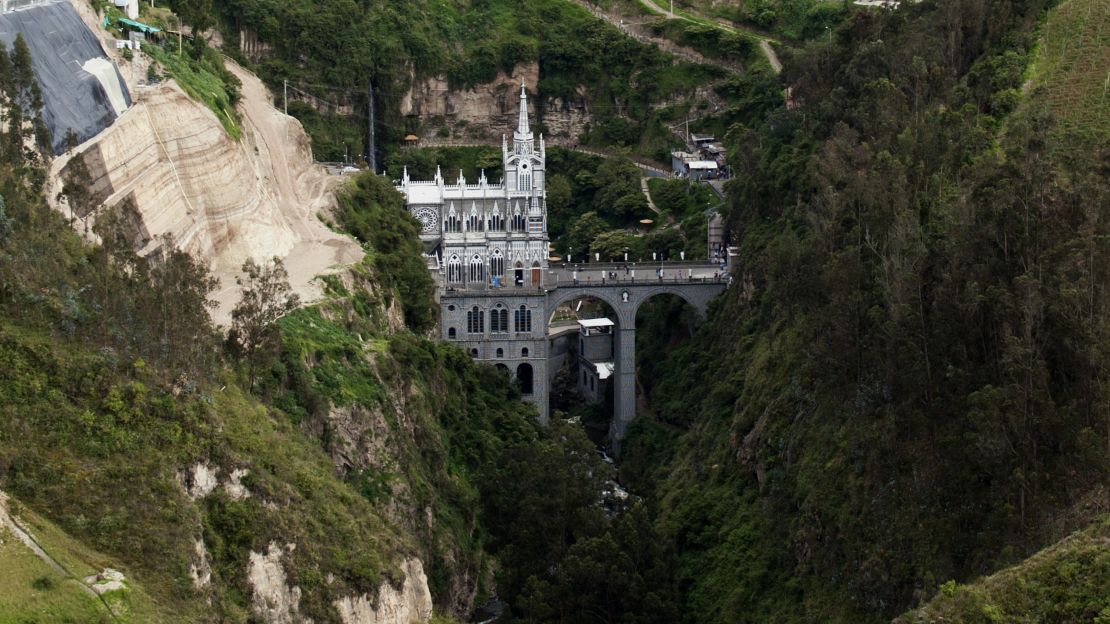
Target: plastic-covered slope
82 88
223 201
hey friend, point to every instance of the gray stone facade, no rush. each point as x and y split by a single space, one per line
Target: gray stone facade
488 247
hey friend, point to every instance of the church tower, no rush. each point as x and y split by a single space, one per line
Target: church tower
525 174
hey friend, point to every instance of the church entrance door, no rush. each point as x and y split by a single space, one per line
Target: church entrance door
536 274
519 275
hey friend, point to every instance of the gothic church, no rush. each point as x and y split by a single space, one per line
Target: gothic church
488 245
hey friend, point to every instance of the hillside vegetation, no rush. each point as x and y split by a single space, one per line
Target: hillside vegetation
334 48
1067 582
127 424
908 385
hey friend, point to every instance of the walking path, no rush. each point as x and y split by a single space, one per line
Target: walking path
692 17
650 168
636 27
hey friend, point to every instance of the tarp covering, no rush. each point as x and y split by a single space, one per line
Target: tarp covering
76 93
150 30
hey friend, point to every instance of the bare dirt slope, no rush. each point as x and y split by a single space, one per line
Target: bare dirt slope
223 201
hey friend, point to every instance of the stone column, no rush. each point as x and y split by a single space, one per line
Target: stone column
624 382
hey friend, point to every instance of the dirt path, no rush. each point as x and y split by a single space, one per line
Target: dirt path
636 28
764 42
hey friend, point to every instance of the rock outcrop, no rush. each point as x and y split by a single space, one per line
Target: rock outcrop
409 604
273 600
485 110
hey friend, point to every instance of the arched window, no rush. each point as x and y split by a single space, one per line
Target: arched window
524 352
522 320
525 178
453 223
477 270
497 264
474 353
518 219
454 270
499 319
474 223
496 222
500 353
451 333
475 321
524 375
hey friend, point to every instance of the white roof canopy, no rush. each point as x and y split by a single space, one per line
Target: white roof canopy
701 164
597 322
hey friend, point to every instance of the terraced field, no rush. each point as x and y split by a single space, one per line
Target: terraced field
1071 76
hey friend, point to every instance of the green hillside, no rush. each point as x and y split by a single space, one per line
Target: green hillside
897 411
907 389
1071 68
1067 582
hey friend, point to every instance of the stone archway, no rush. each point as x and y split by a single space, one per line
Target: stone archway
625 300
524 375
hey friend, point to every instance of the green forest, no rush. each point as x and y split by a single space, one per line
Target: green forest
897 412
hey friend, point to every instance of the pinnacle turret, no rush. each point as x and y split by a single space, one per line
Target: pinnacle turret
522 128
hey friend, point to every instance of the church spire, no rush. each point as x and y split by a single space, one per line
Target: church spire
522 122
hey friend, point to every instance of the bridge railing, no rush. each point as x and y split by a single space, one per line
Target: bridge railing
589 281
558 279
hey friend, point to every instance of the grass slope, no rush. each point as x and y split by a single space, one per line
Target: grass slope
33 591
1066 582
1071 71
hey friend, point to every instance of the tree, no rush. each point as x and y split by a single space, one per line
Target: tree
612 245
559 200
77 185
266 298
582 233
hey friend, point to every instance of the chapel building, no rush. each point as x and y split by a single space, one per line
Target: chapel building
488 246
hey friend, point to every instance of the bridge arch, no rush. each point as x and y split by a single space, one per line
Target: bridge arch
625 299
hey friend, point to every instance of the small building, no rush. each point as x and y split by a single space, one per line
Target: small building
595 358
593 381
693 166
411 140
129 7
701 140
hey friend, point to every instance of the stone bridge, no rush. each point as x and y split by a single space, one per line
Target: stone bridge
526 351
697 285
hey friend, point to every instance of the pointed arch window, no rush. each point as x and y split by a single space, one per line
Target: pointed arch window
522 320
499 319
518 219
477 269
496 222
475 320
497 263
454 270
453 223
474 222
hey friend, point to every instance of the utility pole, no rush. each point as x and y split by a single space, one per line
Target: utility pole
672 8
371 159
285 94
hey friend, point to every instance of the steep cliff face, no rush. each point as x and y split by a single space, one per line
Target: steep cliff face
219 199
484 111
